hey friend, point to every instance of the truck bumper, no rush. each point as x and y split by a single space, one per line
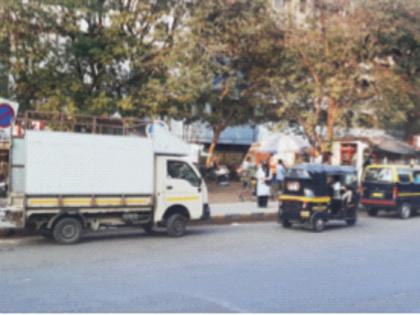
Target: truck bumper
206 212
4 223
10 219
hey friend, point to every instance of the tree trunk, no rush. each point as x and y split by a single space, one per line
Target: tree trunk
216 135
409 128
331 116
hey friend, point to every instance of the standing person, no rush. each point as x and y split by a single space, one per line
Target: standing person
336 192
245 173
280 173
368 160
263 187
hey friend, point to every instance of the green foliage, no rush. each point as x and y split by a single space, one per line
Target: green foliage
93 56
222 62
397 29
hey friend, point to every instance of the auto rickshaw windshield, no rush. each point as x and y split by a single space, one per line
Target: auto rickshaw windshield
298 173
378 175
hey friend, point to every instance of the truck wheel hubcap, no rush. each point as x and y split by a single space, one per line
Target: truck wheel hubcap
178 225
69 231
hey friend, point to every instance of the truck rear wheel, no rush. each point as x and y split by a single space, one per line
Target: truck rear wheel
67 231
176 225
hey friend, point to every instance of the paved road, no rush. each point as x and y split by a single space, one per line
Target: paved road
374 266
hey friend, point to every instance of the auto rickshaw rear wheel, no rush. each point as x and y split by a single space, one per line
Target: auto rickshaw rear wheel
372 212
351 222
317 223
404 211
286 223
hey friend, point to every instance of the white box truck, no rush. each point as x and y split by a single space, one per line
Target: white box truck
63 184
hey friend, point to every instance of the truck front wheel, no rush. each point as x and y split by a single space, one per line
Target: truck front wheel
176 225
67 231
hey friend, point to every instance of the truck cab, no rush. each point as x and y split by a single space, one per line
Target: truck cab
179 189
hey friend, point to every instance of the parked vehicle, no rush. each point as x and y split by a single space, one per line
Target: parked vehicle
393 188
314 194
63 184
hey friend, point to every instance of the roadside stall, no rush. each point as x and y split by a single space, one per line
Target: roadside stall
291 149
360 151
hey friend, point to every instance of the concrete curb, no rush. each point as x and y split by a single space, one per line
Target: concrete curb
238 218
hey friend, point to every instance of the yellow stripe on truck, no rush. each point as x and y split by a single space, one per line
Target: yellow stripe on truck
305 199
45 202
138 201
109 201
88 202
76 201
177 199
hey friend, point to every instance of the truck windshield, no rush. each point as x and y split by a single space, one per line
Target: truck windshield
181 170
379 175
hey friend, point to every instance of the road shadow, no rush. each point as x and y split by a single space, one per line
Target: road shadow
329 227
136 234
387 215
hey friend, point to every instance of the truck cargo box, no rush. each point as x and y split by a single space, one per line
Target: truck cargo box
78 164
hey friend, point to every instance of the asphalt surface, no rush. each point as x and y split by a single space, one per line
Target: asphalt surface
260 267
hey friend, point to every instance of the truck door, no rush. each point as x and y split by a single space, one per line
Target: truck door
178 184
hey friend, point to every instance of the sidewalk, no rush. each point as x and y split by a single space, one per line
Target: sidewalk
241 211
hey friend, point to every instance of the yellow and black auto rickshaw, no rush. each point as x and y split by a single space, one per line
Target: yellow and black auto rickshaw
314 194
391 188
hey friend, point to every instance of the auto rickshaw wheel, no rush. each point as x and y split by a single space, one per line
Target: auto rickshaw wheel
351 222
404 211
317 223
286 223
372 212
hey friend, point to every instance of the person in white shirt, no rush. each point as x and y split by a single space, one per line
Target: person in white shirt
336 194
280 173
263 186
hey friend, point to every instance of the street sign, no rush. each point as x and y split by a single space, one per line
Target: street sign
7 115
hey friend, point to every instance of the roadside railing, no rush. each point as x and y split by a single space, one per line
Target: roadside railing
33 120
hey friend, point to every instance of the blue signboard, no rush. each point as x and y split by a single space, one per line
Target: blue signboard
7 115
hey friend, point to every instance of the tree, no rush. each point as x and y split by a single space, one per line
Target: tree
93 56
221 65
330 57
396 25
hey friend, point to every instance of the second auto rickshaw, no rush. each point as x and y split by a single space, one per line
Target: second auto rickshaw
314 194
391 188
